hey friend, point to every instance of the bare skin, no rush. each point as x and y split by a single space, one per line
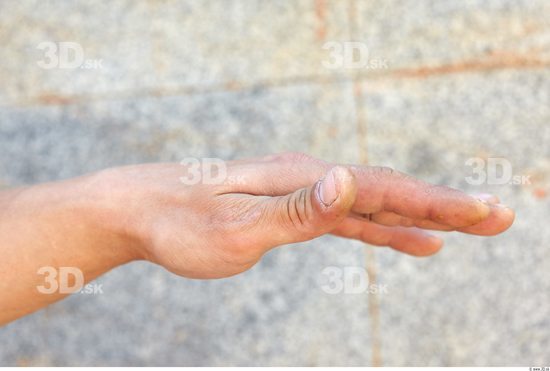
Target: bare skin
144 212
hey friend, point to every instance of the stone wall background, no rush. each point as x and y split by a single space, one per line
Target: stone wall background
230 79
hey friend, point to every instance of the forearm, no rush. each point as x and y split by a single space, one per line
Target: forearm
54 225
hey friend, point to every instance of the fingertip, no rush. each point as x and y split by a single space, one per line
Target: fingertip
466 212
500 219
431 246
504 215
417 243
435 245
507 210
459 210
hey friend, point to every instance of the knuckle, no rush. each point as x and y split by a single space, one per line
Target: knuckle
383 171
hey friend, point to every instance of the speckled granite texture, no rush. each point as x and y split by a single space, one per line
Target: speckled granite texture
230 79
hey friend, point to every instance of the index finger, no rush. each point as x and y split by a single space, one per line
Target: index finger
384 189
379 189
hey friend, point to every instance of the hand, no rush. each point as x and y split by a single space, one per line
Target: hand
214 231
100 221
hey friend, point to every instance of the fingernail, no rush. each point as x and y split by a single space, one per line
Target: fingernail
327 189
502 206
484 196
504 212
485 207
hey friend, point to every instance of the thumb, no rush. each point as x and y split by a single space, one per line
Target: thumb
308 212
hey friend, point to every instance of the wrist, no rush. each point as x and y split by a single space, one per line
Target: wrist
79 217
113 207
104 210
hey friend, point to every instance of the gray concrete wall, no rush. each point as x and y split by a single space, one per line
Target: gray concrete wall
217 78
